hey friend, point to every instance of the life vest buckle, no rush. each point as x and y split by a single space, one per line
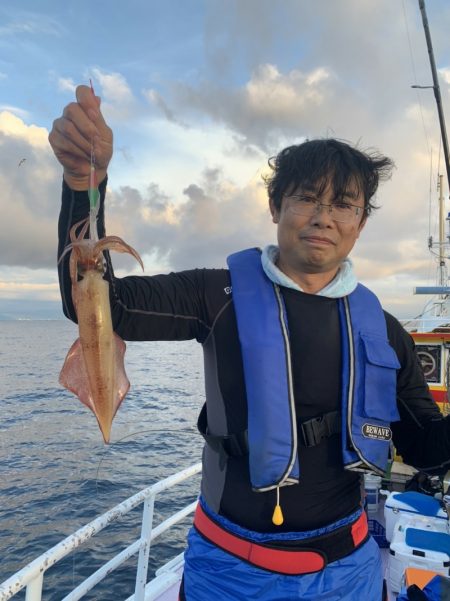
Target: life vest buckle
316 429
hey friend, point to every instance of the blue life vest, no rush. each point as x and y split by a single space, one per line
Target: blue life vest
368 381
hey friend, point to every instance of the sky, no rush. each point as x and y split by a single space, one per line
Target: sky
199 94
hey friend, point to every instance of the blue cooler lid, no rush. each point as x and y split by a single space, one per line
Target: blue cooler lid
423 504
431 541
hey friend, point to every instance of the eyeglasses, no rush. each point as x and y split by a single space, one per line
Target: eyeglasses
308 206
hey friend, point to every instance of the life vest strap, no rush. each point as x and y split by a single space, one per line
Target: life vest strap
232 445
308 556
311 433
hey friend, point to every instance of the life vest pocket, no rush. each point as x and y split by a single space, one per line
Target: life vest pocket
380 379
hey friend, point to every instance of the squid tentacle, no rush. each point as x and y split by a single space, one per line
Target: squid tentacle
82 234
117 244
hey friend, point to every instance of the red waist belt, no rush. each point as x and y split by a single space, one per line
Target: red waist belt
305 557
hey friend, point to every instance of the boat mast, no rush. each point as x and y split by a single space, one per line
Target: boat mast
436 88
443 290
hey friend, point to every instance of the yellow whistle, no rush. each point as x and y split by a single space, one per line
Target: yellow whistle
277 517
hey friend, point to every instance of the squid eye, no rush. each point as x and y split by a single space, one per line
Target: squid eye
81 273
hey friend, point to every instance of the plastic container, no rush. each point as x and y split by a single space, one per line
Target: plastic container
418 577
410 503
372 485
404 556
379 533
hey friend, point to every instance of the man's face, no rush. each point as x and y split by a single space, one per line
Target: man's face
317 243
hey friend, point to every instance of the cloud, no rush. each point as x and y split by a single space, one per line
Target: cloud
118 101
66 84
445 74
114 86
30 193
28 287
26 23
157 100
23 114
13 127
215 218
271 104
338 85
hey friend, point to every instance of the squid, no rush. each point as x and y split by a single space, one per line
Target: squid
94 367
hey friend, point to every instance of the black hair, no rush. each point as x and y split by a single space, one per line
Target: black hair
314 164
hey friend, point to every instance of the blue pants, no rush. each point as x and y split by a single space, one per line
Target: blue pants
211 574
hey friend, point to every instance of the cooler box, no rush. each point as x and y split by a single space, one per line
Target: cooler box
418 542
410 503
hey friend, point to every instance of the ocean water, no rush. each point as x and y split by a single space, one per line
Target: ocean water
56 474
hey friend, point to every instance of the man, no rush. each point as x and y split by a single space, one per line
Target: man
306 377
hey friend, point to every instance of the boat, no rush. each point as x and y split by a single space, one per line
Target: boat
431 330
433 344
166 582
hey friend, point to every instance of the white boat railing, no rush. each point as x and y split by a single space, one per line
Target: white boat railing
32 575
426 324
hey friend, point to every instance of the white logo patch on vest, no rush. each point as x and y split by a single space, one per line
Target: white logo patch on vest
376 432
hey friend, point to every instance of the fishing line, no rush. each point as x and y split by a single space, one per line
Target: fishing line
190 430
93 191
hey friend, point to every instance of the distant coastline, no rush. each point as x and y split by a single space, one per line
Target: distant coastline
29 309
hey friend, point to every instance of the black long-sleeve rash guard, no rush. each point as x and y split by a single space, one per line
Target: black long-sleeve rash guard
197 304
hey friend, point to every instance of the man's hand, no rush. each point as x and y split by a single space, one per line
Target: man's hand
73 134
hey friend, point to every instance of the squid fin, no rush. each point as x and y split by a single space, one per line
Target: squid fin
122 382
75 378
